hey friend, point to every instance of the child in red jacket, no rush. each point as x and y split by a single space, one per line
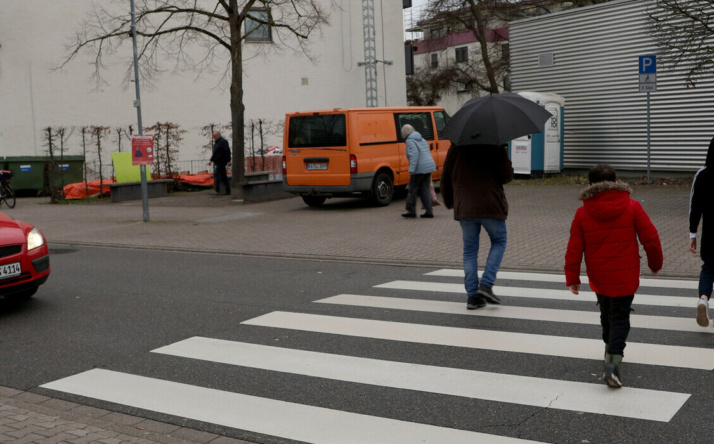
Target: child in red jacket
606 229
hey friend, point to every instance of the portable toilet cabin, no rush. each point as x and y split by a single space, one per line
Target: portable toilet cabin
541 153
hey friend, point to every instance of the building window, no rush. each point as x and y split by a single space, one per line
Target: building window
505 52
255 31
462 54
461 87
434 60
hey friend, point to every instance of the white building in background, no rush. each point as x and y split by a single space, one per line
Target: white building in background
33 96
590 56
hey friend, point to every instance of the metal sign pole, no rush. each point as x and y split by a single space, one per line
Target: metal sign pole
137 104
649 180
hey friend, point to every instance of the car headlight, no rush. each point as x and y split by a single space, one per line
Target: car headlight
35 239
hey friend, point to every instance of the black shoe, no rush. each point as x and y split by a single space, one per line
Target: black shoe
486 293
427 216
475 302
409 215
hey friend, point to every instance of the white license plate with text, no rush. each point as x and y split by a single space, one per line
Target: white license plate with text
316 166
10 270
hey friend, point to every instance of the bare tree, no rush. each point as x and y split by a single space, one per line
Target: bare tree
63 133
171 27
122 133
83 131
51 166
98 134
425 86
684 33
167 137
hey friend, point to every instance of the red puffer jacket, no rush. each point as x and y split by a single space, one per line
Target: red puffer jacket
606 229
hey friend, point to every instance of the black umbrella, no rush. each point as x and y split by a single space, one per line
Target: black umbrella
495 119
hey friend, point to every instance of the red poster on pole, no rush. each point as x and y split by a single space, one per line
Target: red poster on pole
142 149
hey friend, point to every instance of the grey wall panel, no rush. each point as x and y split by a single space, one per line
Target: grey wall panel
595 68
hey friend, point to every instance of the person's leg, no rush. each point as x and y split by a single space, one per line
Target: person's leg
604 303
226 181
470 230
706 278
216 178
411 196
619 323
620 308
425 194
496 229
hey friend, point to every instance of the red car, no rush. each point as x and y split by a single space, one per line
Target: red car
24 258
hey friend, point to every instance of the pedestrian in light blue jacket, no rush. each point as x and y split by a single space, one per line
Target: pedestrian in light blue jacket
421 165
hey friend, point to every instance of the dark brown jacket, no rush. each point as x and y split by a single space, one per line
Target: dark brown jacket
472 181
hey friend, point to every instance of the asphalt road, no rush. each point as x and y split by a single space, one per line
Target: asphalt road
109 308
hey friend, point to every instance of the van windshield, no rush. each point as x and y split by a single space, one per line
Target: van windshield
317 131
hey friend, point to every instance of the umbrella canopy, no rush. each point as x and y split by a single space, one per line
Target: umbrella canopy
495 119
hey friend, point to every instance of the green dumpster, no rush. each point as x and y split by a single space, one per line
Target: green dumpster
29 172
70 169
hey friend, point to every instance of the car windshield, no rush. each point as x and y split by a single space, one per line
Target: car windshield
317 131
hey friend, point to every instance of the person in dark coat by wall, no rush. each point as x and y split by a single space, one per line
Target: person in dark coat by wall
472 184
220 158
701 207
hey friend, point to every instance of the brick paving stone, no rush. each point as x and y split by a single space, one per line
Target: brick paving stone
91 412
59 404
31 397
158 427
7 392
193 435
123 419
227 440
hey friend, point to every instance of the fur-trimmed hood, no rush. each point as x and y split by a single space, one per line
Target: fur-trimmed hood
606 200
591 190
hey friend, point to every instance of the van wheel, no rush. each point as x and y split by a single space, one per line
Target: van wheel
382 190
314 201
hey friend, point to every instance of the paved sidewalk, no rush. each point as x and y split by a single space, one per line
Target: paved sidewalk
343 229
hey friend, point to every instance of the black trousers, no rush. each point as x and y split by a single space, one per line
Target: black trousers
615 321
221 176
419 186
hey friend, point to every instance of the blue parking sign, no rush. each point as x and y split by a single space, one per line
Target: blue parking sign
648 64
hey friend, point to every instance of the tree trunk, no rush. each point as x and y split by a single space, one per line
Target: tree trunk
480 34
237 107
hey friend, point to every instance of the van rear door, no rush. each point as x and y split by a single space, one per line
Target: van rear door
317 152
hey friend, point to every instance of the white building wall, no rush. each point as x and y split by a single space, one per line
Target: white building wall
34 96
595 69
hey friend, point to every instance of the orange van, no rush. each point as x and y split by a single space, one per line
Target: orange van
357 152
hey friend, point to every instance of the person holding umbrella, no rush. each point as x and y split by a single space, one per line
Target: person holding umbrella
475 170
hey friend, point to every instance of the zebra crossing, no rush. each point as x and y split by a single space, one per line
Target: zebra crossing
318 424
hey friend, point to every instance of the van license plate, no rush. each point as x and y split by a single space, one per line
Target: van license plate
316 166
10 270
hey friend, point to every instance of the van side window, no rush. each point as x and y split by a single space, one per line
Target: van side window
420 121
317 131
441 119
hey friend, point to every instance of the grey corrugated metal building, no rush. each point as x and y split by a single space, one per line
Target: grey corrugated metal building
590 56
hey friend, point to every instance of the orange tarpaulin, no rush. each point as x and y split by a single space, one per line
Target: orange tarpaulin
205 180
79 190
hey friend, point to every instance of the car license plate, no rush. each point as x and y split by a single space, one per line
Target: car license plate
10 270
316 166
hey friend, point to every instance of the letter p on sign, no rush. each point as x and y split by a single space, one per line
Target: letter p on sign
648 64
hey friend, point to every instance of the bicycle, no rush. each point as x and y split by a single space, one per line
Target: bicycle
7 194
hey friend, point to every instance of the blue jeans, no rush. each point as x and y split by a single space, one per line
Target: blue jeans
706 280
471 229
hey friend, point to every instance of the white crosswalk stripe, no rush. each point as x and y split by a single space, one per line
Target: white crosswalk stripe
567 347
563 395
513 312
560 278
316 424
295 421
537 293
